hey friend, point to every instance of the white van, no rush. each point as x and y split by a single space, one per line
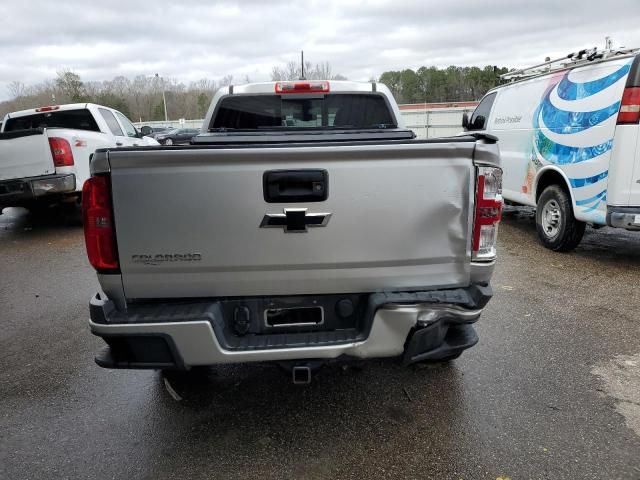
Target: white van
568 132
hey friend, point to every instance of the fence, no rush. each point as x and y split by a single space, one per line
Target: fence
172 124
428 120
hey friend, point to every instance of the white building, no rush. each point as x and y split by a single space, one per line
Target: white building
431 120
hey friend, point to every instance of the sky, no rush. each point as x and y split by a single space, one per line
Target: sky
187 41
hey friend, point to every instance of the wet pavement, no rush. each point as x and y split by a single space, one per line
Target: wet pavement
551 390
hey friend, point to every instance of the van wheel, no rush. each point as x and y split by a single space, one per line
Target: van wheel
557 228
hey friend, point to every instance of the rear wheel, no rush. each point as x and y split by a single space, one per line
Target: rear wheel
557 227
168 141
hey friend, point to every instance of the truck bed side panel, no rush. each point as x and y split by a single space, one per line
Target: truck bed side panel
400 219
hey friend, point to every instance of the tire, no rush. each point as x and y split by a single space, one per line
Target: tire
168 141
557 227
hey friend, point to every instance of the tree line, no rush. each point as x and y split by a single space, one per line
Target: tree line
140 98
451 84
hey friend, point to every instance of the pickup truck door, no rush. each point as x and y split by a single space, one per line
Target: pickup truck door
130 138
117 128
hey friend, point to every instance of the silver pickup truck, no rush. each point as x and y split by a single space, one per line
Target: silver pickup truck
304 224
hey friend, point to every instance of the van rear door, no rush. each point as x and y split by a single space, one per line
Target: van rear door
629 120
634 188
624 175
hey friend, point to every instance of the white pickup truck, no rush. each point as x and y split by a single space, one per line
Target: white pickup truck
304 224
45 152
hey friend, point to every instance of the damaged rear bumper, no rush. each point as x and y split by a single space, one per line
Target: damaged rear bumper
419 326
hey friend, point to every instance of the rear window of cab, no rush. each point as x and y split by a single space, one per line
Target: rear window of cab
80 119
349 111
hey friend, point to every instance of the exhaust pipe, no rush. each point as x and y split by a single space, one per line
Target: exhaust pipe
301 375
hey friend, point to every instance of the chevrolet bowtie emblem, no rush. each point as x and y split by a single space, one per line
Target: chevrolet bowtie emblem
295 220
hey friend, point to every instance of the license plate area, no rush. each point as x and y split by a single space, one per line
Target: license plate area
293 317
244 324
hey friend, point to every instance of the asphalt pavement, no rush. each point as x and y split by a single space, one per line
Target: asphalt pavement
552 390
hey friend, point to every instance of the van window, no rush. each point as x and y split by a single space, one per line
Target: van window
112 123
480 115
80 119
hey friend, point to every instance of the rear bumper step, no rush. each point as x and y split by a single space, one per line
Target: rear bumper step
624 217
17 191
420 325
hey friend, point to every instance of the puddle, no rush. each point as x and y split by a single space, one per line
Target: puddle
621 379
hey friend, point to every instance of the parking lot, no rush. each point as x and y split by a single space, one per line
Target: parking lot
551 391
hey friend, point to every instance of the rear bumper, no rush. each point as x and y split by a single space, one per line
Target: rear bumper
22 190
624 217
400 324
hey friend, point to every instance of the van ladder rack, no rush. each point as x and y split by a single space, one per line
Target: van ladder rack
574 59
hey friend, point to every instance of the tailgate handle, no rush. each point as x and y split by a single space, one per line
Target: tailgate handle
295 186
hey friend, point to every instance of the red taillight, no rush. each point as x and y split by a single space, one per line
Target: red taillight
99 234
488 210
302 87
630 106
61 152
48 108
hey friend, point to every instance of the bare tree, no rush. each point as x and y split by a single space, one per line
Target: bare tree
225 81
322 71
140 98
17 89
293 71
71 85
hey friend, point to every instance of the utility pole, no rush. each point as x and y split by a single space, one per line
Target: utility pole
164 99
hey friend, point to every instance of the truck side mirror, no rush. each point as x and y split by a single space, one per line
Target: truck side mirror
146 130
465 121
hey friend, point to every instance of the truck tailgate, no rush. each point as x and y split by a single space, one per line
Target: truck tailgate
188 220
25 156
